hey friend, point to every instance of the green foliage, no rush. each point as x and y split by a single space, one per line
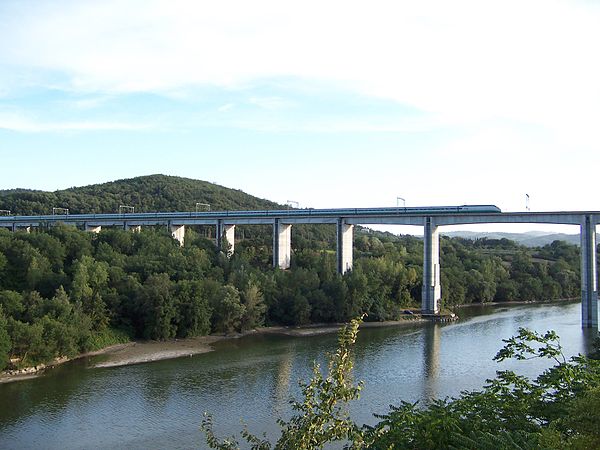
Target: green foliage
5 343
559 409
106 338
322 416
228 310
147 193
146 284
193 310
156 307
254 307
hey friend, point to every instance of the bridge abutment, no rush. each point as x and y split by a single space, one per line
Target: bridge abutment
589 282
282 244
345 241
432 291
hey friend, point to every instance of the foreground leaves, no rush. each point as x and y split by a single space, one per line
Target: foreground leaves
322 416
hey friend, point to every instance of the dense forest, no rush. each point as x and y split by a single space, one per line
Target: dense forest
147 194
64 291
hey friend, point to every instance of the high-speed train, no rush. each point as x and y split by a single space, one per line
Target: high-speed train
309 212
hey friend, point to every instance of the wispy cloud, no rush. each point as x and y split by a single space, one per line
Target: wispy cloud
466 58
271 103
226 107
19 123
89 102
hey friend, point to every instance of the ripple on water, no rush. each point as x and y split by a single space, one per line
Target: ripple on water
160 404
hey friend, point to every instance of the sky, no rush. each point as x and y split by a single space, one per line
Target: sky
328 104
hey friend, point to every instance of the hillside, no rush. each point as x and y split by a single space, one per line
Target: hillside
147 194
529 239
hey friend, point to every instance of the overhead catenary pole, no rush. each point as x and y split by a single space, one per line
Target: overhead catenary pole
289 203
204 205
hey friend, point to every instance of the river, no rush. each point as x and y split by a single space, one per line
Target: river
161 404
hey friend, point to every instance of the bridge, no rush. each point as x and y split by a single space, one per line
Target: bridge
430 218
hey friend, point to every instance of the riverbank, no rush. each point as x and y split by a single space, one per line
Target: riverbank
143 352
139 352
517 303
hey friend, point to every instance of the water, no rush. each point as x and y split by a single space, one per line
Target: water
161 404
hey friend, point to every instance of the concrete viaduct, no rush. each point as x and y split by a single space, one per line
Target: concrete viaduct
430 218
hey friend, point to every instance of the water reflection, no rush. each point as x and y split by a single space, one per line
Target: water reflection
590 338
160 405
431 350
281 386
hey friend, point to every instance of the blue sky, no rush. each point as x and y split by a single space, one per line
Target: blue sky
330 104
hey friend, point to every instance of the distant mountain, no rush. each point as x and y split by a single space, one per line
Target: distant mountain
146 194
529 239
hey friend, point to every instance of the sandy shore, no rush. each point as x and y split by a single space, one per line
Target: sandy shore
148 351
315 330
143 352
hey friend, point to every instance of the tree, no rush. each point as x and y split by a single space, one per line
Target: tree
156 305
193 310
12 302
5 342
227 310
255 308
511 411
90 279
322 416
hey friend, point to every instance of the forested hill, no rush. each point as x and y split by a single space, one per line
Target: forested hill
147 194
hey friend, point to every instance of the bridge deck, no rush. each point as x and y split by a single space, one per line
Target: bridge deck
446 215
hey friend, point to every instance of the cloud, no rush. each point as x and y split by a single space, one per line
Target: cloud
20 123
270 103
226 107
526 60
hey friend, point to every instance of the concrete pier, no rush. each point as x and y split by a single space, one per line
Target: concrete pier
432 217
178 233
589 282
282 244
132 228
345 241
432 291
227 232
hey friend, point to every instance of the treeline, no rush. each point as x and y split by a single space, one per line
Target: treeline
147 194
65 291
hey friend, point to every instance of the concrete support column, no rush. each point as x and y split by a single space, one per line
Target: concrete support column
345 240
589 283
432 292
178 233
93 228
227 231
132 228
282 244
26 229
